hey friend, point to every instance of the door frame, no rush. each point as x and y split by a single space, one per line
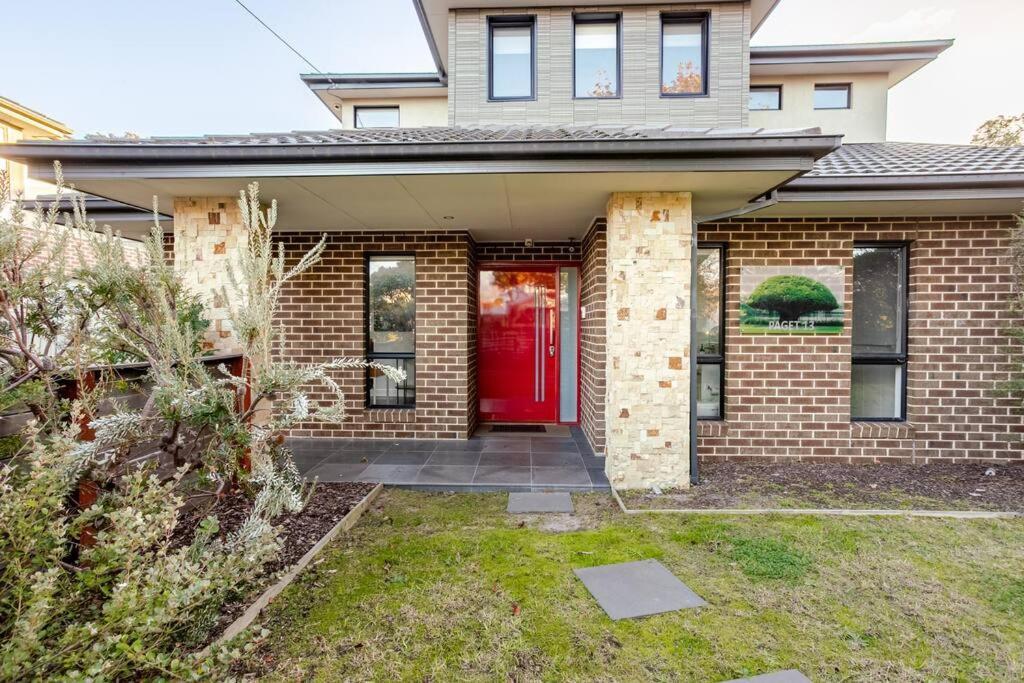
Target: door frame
536 265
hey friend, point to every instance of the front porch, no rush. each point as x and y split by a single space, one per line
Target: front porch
519 462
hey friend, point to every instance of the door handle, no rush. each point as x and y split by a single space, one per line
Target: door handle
551 350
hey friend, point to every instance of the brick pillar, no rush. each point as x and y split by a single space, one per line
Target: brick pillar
208 231
648 341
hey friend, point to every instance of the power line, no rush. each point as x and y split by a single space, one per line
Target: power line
278 36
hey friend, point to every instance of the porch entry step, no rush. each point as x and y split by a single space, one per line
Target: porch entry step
534 429
530 429
520 503
637 589
787 676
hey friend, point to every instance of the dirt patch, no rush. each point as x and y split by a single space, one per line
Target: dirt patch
935 486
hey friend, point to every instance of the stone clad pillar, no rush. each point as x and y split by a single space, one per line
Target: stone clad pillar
208 231
650 244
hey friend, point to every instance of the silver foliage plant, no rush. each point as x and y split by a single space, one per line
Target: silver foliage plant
278 386
139 602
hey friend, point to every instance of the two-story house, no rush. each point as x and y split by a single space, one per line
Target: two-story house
622 216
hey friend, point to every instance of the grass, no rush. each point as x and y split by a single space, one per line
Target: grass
756 328
449 587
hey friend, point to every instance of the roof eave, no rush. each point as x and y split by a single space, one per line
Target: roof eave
812 146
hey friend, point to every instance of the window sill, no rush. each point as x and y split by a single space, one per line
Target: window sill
881 430
390 414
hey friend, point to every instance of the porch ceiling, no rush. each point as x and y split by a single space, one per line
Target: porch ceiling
491 206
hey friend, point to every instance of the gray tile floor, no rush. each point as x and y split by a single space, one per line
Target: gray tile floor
505 463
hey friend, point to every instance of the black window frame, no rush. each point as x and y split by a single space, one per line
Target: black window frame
356 109
368 344
848 87
599 18
719 358
702 18
762 88
512 21
899 357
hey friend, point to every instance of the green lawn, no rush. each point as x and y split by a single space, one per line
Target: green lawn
448 587
748 328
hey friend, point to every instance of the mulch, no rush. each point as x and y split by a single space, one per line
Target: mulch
298 533
933 486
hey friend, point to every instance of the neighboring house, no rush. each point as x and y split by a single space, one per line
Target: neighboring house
624 217
19 123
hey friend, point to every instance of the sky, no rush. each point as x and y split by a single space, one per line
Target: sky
193 67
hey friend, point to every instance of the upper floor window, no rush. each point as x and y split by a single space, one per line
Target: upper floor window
765 98
376 117
832 96
879 374
596 55
512 58
684 55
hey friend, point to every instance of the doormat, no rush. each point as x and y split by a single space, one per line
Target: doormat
519 428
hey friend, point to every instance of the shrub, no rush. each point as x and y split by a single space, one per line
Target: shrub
121 607
792 296
133 602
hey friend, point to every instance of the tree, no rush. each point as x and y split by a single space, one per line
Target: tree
792 296
45 318
1002 131
688 80
391 298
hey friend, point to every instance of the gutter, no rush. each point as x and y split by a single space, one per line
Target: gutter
431 43
815 146
906 182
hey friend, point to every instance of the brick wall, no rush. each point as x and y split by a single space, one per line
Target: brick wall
472 309
323 317
518 251
593 291
788 396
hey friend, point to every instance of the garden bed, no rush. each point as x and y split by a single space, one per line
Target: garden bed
893 486
298 533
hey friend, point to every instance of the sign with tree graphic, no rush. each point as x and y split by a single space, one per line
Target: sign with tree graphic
791 299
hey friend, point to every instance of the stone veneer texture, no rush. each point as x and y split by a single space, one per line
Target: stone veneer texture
648 339
208 231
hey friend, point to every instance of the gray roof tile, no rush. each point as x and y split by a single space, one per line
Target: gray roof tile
430 135
917 159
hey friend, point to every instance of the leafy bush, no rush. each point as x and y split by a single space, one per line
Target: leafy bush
122 607
792 296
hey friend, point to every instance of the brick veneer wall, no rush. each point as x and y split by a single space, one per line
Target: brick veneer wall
593 292
323 317
518 251
788 396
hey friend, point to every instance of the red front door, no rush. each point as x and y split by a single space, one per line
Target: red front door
517 341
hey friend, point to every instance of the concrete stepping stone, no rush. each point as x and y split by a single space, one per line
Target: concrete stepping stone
787 676
637 589
520 503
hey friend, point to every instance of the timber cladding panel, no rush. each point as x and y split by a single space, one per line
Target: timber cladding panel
324 316
641 101
789 396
